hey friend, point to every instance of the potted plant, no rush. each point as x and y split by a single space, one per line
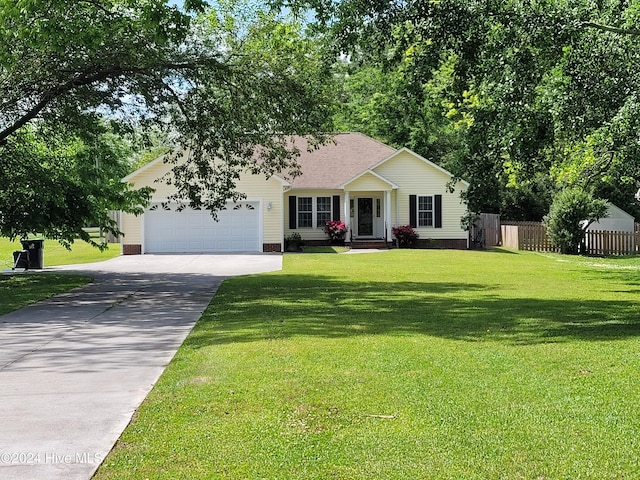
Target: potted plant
294 243
405 235
337 230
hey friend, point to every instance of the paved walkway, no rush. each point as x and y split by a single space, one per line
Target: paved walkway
73 369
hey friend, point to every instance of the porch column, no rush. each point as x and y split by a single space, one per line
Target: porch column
347 215
387 214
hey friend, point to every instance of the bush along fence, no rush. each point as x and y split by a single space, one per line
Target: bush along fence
533 236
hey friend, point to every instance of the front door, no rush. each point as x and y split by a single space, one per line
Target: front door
365 217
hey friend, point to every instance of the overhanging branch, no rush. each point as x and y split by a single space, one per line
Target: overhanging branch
92 76
609 28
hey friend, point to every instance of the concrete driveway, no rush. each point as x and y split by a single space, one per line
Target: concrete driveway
74 368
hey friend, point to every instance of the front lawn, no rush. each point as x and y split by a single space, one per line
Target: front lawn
21 289
55 254
18 291
401 365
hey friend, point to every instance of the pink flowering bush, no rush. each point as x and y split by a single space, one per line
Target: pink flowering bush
405 235
336 230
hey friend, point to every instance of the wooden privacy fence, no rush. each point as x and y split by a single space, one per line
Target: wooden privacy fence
485 231
533 236
491 229
530 236
612 243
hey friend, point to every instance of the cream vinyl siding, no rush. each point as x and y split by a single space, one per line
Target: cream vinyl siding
310 233
367 182
131 226
255 187
147 176
417 177
270 191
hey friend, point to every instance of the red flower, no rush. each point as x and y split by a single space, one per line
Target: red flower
405 234
336 229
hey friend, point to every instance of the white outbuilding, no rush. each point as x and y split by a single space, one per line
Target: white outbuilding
617 220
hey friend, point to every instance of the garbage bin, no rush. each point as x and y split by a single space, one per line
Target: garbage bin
21 259
35 248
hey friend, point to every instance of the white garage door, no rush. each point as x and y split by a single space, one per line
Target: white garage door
167 230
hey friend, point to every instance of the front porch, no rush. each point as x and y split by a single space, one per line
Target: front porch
367 210
378 244
368 216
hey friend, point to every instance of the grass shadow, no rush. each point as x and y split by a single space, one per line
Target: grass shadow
264 307
501 250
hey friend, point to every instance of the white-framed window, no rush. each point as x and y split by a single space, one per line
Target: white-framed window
311 212
323 211
305 212
425 211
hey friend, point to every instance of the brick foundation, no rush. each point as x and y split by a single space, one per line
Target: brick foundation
131 249
446 243
450 243
271 247
318 243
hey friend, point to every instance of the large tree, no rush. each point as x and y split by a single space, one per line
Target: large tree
224 80
56 182
544 94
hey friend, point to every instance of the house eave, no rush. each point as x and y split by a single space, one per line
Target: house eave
146 167
293 187
420 157
370 172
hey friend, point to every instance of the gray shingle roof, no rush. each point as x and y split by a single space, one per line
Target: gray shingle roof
333 164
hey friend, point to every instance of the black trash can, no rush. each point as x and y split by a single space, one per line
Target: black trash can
35 248
21 259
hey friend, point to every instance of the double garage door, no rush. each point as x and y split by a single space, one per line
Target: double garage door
168 230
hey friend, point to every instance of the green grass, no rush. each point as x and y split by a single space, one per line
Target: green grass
402 365
55 254
22 289
18 291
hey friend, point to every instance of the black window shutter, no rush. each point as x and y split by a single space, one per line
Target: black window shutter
437 205
293 212
336 208
413 211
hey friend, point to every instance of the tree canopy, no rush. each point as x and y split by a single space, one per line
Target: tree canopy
225 80
519 98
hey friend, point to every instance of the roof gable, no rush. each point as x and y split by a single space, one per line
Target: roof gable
370 176
616 212
148 166
347 158
342 159
163 167
420 158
